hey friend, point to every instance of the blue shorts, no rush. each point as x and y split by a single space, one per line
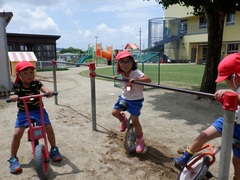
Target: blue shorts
133 106
21 120
218 124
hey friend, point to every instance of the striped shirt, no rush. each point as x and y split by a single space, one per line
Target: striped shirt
33 89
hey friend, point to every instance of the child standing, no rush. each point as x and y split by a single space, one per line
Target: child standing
228 70
25 85
132 95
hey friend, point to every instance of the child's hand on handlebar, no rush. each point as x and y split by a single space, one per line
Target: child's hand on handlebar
219 94
49 93
13 98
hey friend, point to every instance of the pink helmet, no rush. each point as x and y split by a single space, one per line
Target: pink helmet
228 66
123 54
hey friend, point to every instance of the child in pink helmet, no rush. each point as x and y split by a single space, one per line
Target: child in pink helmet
132 95
25 85
228 70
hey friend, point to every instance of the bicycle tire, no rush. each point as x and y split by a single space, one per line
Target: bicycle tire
41 162
129 140
198 171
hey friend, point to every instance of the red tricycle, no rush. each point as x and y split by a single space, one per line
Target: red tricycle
197 167
35 133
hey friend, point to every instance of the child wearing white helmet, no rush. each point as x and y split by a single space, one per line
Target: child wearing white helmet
228 70
132 95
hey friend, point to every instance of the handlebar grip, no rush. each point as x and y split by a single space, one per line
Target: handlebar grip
8 100
54 94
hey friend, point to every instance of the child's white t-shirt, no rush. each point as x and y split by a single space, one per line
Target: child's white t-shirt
237 115
136 91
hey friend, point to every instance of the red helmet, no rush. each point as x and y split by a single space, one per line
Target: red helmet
228 66
123 54
21 66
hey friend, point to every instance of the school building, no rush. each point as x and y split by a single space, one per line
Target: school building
183 36
43 46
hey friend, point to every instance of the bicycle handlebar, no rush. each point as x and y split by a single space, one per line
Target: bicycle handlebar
8 100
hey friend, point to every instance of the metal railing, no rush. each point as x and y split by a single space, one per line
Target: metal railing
229 104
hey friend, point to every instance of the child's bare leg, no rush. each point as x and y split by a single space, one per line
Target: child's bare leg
17 136
140 141
137 125
205 136
117 114
50 135
54 151
236 164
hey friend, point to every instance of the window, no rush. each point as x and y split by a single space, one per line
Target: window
48 47
204 53
26 47
202 22
23 47
183 27
232 48
38 47
230 19
10 47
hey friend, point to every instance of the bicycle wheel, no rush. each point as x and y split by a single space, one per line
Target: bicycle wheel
129 140
198 170
41 162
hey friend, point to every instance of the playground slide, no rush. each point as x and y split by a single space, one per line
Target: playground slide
105 54
84 59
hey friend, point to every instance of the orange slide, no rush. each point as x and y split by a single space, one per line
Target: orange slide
105 54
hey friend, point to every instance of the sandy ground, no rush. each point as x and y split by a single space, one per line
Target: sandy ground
170 121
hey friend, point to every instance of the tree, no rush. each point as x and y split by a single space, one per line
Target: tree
71 50
215 12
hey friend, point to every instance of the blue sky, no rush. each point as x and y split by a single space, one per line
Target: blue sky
78 22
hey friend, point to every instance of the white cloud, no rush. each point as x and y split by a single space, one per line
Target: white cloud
79 21
85 34
127 29
104 28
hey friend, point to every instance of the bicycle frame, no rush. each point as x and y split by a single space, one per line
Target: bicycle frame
36 132
211 152
39 151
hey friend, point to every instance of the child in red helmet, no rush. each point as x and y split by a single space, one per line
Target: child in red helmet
25 85
132 95
228 70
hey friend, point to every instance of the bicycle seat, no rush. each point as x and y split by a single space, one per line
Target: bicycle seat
33 121
123 104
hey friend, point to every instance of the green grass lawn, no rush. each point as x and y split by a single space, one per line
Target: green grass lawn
188 76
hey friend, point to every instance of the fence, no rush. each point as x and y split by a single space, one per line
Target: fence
229 103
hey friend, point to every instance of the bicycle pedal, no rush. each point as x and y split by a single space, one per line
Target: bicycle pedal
47 160
178 167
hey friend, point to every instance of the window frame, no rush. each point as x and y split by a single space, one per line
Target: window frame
230 19
202 22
